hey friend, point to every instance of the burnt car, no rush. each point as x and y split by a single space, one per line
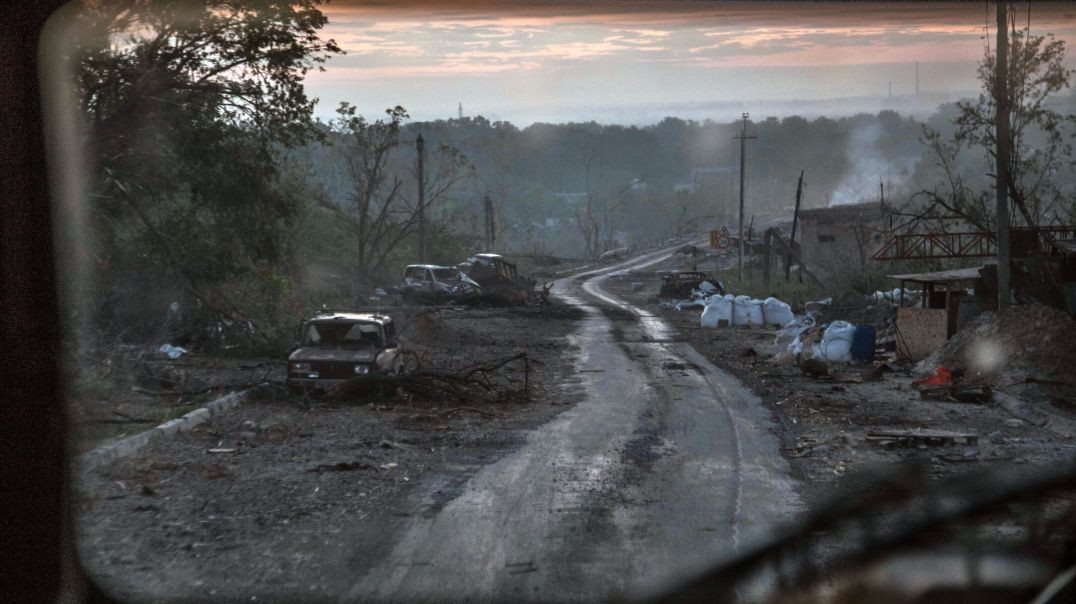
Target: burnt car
499 279
679 285
336 346
431 283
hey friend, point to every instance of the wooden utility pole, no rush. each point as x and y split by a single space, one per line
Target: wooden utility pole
795 219
1001 134
743 148
491 225
420 148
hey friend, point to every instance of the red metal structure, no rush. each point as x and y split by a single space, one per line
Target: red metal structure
1026 241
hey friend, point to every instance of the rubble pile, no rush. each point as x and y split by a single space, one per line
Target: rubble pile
1029 344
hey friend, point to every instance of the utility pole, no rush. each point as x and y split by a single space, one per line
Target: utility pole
420 148
743 148
1001 134
795 219
491 226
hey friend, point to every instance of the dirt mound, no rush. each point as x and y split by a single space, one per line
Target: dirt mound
1020 344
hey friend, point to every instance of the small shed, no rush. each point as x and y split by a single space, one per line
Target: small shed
945 306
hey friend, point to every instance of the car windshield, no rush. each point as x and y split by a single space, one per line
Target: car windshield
342 335
445 274
725 260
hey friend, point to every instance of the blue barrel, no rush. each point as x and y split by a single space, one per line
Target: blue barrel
863 343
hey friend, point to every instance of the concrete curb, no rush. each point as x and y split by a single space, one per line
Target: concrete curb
121 448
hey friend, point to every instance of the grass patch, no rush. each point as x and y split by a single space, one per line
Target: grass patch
791 291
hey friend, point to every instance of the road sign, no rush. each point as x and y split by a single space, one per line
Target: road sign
721 240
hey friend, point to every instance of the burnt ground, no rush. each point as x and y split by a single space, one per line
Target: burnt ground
824 423
247 497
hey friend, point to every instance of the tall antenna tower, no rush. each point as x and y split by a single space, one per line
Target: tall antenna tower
461 110
917 78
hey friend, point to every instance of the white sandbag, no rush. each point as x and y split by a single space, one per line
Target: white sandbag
741 310
755 315
718 308
836 344
708 287
709 316
776 312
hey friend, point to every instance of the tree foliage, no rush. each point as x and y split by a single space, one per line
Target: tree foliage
1040 159
187 106
382 206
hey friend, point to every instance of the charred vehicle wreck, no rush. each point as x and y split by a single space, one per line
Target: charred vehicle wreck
338 346
437 284
499 279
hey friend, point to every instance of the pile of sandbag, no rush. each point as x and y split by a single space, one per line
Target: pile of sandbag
836 342
744 310
910 298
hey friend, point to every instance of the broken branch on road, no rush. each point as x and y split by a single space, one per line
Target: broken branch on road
490 381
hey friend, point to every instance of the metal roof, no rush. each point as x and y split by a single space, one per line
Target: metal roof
426 266
959 274
1065 245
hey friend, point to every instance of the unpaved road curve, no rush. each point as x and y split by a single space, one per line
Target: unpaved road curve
667 464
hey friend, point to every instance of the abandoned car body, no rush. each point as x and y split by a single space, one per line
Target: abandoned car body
337 346
499 279
681 284
430 283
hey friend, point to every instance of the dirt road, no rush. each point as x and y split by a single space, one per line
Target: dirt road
667 464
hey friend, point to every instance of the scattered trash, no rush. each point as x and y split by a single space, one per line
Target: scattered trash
709 288
910 298
683 284
172 352
941 377
343 466
816 307
220 450
388 466
913 438
960 394
788 336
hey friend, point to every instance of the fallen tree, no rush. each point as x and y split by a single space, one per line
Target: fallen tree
494 381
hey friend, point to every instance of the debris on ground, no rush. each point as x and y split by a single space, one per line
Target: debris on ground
491 381
825 411
921 437
689 285
1025 350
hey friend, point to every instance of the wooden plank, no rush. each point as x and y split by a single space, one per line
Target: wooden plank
920 331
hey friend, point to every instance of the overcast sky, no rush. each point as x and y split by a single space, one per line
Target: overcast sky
553 61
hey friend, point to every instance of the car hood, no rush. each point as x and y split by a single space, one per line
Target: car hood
352 355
